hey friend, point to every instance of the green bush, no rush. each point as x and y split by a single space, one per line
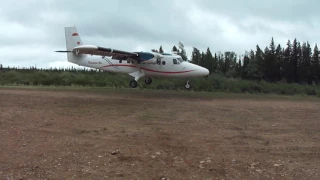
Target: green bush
212 83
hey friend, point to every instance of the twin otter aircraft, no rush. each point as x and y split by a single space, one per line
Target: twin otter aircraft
136 64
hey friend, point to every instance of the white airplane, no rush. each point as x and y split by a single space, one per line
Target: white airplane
135 64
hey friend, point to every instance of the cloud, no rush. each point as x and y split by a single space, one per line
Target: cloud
30 31
285 10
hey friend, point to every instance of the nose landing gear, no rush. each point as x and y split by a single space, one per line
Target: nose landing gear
148 80
187 86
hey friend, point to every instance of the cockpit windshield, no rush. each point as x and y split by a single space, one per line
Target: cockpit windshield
180 60
177 61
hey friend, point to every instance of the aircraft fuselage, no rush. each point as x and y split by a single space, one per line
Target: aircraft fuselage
169 66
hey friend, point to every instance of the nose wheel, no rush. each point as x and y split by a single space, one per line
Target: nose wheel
187 86
148 80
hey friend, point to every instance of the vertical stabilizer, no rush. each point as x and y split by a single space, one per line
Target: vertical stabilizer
72 37
72 40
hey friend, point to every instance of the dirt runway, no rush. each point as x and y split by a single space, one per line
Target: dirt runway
105 134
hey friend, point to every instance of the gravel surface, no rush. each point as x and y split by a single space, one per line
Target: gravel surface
60 134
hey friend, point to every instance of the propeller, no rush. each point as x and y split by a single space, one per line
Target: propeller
158 57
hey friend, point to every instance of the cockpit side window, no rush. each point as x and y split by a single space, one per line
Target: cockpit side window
180 60
175 61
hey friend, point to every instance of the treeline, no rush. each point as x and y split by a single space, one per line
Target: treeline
52 76
51 69
293 63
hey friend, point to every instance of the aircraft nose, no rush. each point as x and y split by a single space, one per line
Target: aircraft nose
204 71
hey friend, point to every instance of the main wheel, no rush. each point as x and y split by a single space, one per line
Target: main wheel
148 80
133 83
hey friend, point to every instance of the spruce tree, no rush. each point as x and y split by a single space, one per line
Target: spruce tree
260 61
215 63
160 49
195 57
175 49
287 68
182 52
278 62
316 64
209 60
295 55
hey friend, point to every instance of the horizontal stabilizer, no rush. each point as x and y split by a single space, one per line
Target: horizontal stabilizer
63 51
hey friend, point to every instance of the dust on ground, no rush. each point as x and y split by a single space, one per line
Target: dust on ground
65 134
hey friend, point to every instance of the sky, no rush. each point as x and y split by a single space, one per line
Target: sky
31 30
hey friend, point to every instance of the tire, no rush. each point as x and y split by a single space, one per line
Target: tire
148 80
187 86
133 84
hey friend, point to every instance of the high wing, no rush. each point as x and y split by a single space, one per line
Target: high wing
102 51
116 54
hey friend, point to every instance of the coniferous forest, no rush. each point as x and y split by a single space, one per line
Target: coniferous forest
293 63
293 68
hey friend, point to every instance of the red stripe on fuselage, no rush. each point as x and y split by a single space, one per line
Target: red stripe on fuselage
128 65
165 72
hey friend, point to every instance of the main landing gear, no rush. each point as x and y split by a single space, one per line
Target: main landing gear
137 75
133 83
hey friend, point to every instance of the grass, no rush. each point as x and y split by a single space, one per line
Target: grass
212 83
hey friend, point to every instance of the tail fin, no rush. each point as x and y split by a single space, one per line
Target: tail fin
72 40
72 37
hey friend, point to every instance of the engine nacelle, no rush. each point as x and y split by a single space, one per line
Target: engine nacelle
149 57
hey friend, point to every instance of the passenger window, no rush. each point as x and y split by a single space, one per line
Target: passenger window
163 62
120 61
128 61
